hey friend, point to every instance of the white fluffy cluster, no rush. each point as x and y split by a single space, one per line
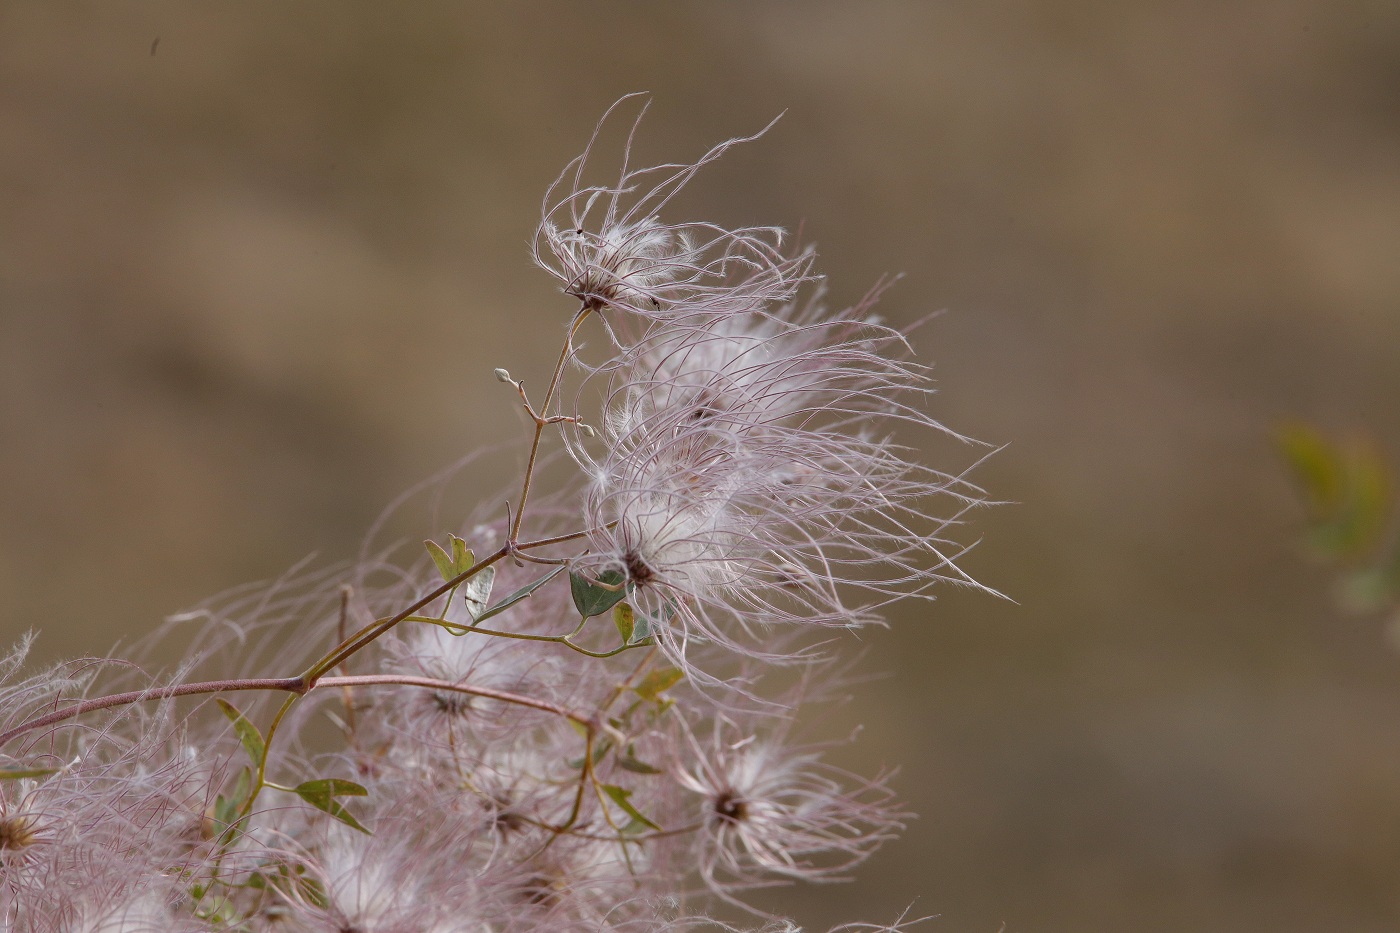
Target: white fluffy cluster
578 728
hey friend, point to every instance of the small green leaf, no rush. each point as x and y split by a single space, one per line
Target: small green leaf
1347 486
462 557
522 593
225 811
321 794
592 598
619 796
243 787
647 626
11 774
248 733
452 565
1316 464
658 682
641 631
441 558
628 761
327 788
625 620
226 808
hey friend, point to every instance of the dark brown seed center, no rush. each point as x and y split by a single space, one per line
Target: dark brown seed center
637 570
731 808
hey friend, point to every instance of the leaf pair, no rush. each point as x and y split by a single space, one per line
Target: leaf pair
320 793
454 564
477 590
594 597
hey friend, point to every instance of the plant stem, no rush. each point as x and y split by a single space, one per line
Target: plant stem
542 417
289 684
293 685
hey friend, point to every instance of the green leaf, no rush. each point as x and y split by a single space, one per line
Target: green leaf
462 557
321 794
641 631
625 620
248 733
592 598
244 786
619 796
658 682
1316 464
628 761
1347 487
327 788
1369 502
452 565
225 811
522 593
441 558
12 774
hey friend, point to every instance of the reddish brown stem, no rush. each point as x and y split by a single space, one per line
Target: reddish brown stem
82 708
290 685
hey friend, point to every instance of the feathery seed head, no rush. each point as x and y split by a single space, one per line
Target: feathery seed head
609 248
773 811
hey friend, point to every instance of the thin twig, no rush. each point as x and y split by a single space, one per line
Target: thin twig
541 420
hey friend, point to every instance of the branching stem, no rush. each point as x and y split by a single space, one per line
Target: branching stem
542 418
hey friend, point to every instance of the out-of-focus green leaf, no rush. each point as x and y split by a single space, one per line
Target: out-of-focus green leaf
641 631
1316 464
226 809
619 796
658 682
629 761
625 620
646 626
1347 487
1369 501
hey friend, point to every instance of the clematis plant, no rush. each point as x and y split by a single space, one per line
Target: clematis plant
579 709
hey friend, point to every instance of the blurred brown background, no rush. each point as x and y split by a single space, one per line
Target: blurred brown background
257 261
